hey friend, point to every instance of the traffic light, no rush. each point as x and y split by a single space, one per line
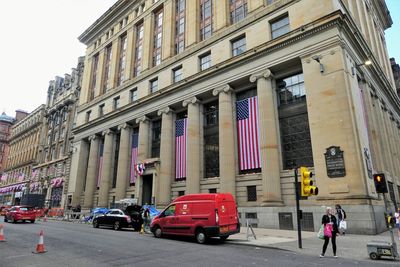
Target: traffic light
380 183
307 188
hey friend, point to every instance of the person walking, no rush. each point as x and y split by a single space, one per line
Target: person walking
341 215
397 217
330 231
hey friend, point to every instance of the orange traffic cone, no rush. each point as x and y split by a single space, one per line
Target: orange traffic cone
40 245
2 239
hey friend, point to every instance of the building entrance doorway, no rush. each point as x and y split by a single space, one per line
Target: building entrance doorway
147 189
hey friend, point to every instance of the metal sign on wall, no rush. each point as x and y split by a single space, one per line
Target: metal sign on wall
334 162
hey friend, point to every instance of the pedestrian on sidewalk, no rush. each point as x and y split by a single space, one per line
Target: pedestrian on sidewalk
330 231
341 216
397 217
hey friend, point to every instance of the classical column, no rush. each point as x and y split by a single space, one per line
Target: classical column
78 170
269 148
226 139
221 15
143 151
91 171
147 47
165 175
193 168
192 18
168 30
123 161
106 170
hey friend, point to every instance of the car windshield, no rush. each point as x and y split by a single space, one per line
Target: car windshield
25 208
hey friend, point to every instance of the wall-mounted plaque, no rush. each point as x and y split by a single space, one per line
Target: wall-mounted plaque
334 162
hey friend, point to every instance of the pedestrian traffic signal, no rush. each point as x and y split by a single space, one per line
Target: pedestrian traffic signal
380 183
307 188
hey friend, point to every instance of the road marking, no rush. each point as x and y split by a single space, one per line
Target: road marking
17 256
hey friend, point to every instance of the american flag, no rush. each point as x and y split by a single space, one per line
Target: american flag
4 177
180 148
100 168
134 154
247 124
33 174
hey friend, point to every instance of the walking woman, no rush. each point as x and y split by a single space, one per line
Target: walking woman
330 231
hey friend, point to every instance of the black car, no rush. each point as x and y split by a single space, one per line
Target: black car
135 212
115 218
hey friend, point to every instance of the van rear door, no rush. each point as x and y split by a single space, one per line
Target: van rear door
227 214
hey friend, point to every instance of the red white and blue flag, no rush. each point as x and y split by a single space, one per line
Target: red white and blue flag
180 148
100 168
33 174
248 133
4 177
134 155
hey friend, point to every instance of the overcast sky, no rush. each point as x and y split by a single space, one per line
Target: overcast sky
39 41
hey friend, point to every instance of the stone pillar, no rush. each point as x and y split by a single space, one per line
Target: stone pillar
147 42
166 173
78 171
114 64
130 54
123 161
91 172
99 77
269 145
143 152
168 30
106 171
221 15
226 139
193 168
254 4
192 18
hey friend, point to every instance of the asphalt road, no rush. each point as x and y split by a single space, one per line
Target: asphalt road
72 244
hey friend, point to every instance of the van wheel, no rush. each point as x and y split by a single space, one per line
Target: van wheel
32 221
158 232
95 224
201 236
374 256
117 225
223 238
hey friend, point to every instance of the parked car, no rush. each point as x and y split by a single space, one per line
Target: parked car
20 213
135 212
199 215
115 218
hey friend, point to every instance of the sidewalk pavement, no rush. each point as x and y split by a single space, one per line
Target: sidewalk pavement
348 246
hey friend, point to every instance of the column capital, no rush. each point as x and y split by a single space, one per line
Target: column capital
266 74
193 100
143 119
92 138
124 126
164 110
107 132
223 89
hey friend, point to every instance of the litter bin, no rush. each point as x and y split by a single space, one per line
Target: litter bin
377 249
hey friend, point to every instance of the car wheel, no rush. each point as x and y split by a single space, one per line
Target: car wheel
374 256
223 238
157 232
201 236
117 225
32 221
95 224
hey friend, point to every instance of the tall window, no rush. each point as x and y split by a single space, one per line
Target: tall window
211 140
133 95
116 102
155 138
107 68
280 27
153 85
177 74
101 110
205 19
158 37
238 9
138 50
293 122
122 59
87 116
239 46
180 26
93 79
205 61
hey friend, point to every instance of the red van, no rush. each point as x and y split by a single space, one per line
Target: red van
199 215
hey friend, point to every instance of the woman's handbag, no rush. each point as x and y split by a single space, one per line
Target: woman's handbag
343 225
328 230
321 232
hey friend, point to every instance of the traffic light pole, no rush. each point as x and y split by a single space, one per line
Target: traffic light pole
298 211
390 227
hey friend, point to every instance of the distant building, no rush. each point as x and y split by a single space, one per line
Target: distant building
396 74
5 129
24 148
52 170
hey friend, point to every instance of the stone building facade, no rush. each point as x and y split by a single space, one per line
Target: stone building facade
231 96
24 148
5 129
396 74
54 158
